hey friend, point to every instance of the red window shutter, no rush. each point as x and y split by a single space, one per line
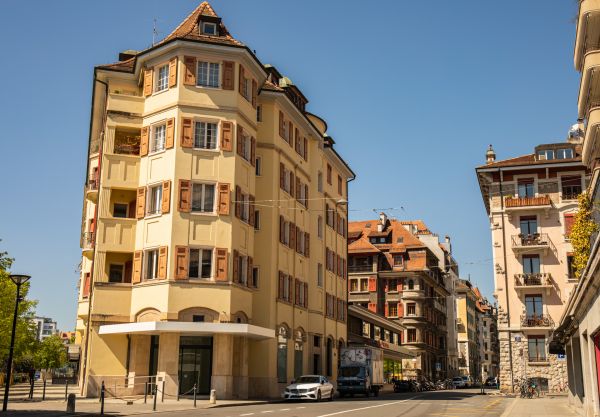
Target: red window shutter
400 309
170 133
148 73
224 197
166 197
386 309
372 284
131 209
185 196
240 141
144 140
187 133
221 264
569 221
189 77
86 285
181 262
296 292
140 210
298 184
254 92
399 286
228 75
281 125
173 72
253 151
241 80
238 201
236 266
299 237
297 141
226 136
162 262
373 307
137 267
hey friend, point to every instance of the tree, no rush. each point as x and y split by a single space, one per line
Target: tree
25 338
51 353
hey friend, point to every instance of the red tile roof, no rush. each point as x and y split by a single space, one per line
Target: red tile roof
401 239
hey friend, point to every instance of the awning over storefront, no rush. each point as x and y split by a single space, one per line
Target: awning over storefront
189 328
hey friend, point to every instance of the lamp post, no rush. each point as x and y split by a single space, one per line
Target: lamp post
18 280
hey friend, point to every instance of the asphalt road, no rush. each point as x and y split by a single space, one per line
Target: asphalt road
452 403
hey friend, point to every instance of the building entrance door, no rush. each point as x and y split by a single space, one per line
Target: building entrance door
195 364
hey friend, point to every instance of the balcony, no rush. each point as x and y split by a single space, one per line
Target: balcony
412 294
588 30
121 171
531 243
126 101
87 242
512 204
590 149
360 268
589 88
537 321
537 281
91 189
116 234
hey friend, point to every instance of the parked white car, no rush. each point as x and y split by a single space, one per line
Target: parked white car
309 387
458 382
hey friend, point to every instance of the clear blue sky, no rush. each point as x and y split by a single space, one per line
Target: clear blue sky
413 92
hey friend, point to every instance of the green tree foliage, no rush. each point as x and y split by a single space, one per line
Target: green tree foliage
581 233
25 339
51 353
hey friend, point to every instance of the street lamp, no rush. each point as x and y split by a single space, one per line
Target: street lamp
18 280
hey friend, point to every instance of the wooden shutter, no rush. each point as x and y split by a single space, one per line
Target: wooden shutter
372 284
85 293
280 293
166 197
140 210
241 80
292 236
170 134
307 244
254 91
148 82
144 140
298 188
236 265
252 151
281 229
400 309
162 262
185 196
290 134
226 136
249 273
189 77
297 141
373 307
221 264
292 184
224 199
305 295
128 272
137 267
173 72
228 75
281 176
299 237
296 291
187 133
281 125
306 195
569 221
238 202
252 219
181 262
131 209
239 140
305 156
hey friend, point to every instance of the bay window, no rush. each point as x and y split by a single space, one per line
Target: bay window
208 74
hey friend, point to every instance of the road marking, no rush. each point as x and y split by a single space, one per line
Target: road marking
267 411
366 408
285 409
297 408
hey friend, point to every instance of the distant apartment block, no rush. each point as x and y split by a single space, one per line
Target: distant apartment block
45 327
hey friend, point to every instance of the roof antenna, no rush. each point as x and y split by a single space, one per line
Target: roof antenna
154 32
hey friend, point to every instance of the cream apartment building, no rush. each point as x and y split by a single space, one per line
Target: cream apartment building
208 254
531 201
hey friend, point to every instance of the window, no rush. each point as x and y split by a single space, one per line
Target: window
340 186
115 273
571 187
246 151
242 277
256 220
258 113
208 74
245 202
570 267
531 264
392 285
203 198
398 260
377 332
209 28
320 182
316 341
564 153
120 210
198 318
330 306
411 309
255 277
366 329
354 285
285 287
320 227
329 174
534 306
258 168
393 309
200 263
411 284
151 266
154 202
162 81
157 143
536 346
247 89
525 188
205 135
411 335
364 285
320 275
528 225
545 154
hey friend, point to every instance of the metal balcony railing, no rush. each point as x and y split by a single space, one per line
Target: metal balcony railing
543 200
535 239
88 239
92 184
532 280
571 192
536 320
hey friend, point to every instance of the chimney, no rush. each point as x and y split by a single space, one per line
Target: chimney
490 155
576 134
382 222
448 244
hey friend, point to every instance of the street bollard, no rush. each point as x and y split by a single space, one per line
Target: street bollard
194 395
66 389
154 400
44 391
145 391
71 404
102 394
213 396
162 394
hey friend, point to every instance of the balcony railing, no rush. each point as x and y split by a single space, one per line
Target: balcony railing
543 200
571 192
532 280
88 239
537 320
92 184
535 239
360 268
127 148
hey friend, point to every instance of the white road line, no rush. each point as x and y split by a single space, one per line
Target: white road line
297 408
284 409
267 411
366 408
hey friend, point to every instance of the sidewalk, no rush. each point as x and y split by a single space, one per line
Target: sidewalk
539 407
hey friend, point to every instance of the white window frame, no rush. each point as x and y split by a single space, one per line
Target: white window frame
209 24
158 87
247 147
210 66
205 137
201 250
153 142
122 265
203 184
243 270
154 266
158 199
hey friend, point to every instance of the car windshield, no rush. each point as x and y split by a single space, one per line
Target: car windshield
308 380
350 371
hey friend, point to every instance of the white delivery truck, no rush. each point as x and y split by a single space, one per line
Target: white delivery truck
361 371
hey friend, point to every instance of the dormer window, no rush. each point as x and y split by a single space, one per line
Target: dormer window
549 154
564 153
209 28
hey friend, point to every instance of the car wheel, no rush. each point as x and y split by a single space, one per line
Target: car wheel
330 395
318 396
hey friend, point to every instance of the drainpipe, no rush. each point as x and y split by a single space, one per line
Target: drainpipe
90 295
510 350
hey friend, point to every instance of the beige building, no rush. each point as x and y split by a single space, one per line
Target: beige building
206 257
467 315
531 200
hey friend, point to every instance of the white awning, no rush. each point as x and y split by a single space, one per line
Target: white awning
187 328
